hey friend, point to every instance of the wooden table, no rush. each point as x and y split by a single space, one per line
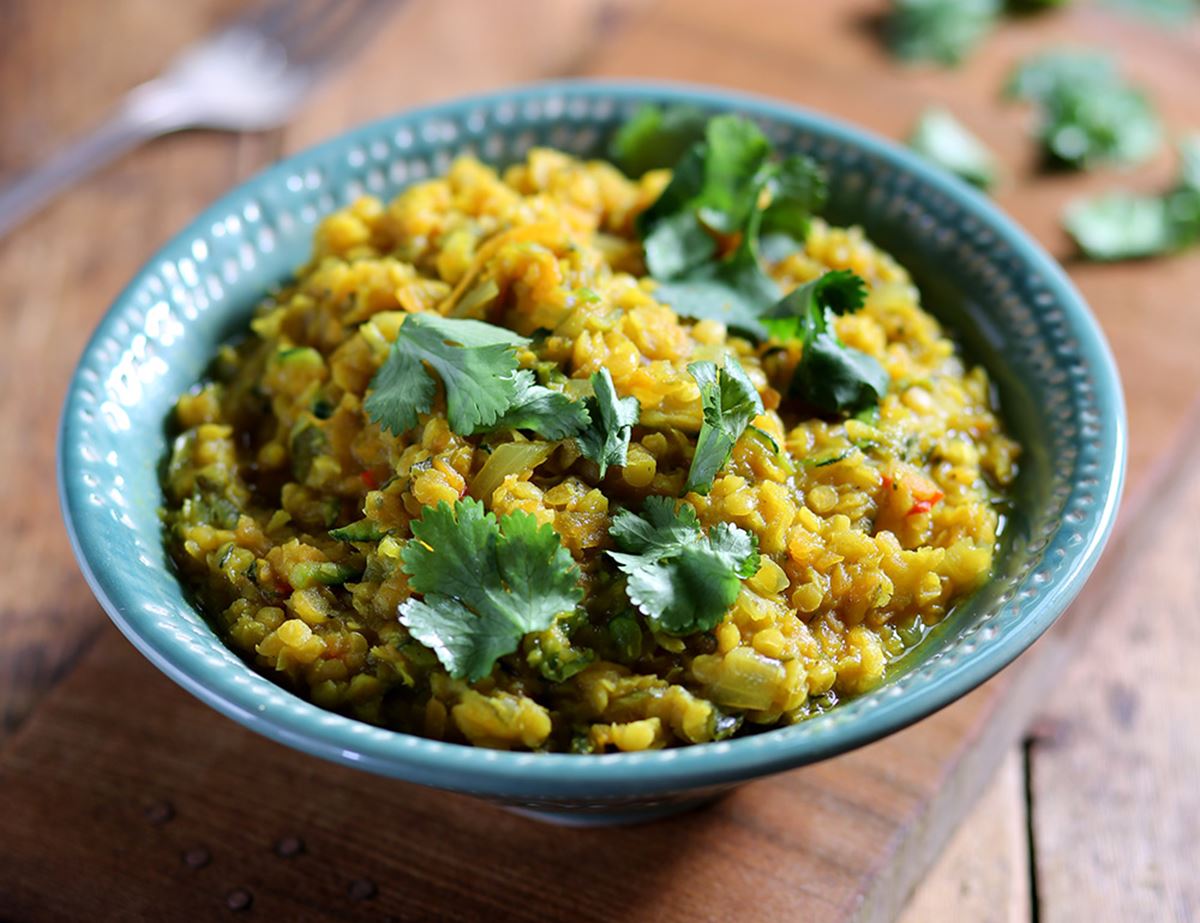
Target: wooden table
123 798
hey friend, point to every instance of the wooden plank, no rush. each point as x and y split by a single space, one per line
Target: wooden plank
437 50
842 840
60 271
1116 756
983 875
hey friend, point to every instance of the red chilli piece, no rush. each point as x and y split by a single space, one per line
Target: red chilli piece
368 478
925 504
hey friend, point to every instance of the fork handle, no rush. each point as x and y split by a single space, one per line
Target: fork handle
144 114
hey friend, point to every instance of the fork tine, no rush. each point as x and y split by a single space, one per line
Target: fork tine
330 32
265 19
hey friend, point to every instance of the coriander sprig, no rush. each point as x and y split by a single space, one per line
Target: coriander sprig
831 376
701 235
477 365
730 402
681 579
487 582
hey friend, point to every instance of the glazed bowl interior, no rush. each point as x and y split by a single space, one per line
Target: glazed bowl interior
1010 306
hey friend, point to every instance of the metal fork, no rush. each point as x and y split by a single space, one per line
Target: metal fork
249 76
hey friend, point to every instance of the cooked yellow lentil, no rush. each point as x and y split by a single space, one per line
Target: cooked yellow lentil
869 531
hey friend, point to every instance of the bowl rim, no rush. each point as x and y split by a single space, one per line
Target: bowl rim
477 770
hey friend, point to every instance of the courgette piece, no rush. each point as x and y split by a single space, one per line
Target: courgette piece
832 457
305 445
767 440
326 573
300 356
362 531
626 636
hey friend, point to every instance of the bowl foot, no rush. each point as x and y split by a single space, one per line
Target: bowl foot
594 815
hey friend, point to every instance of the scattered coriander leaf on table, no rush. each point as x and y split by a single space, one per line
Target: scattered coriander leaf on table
1034 6
1120 226
730 402
605 440
942 31
1163 12
831 376
682 580
486 584
1087 113
941 139
1124 225
476 362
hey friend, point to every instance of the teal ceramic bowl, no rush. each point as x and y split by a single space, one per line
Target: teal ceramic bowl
1010 304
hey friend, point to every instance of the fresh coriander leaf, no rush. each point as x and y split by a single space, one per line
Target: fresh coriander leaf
831 376
654 138
1088 114
1114 125
672 235
798 189
730 402
472 334
486 584
678 244
942 139
690 593
735 290
798 316
735 548
605 440
942 31
661 529
543 410
682 580
737 151
1123 225
715 187
837 378
400 390
475 361
776 246
719 188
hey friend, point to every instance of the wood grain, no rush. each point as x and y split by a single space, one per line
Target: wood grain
983 875
59 273
845 840
1116 756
